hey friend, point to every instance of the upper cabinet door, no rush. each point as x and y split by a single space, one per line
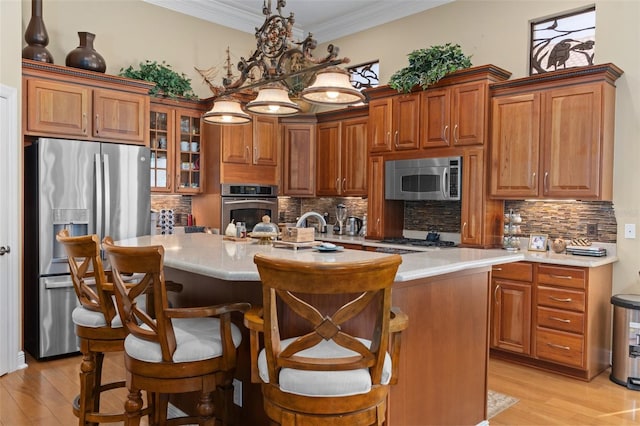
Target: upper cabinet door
572 142
405 134
515 146
58 108
380 125
468 113
354 157
328 177
120 116
236 143
265 141
436 116
298 169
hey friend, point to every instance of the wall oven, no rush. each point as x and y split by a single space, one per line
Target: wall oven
248 203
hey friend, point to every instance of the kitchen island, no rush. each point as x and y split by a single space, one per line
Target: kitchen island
445 293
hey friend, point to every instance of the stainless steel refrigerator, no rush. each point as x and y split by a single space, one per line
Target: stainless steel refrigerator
85 187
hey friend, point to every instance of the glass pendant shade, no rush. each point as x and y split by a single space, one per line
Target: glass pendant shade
273 99
332 87
227 111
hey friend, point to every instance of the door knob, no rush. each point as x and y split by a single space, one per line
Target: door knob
4 250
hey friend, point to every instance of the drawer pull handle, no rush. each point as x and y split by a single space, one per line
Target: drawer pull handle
562 277
553 345
567 321
557 299
497 269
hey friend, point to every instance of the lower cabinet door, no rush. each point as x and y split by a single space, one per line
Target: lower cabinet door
511 312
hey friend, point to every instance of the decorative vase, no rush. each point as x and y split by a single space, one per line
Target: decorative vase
36 36
85 56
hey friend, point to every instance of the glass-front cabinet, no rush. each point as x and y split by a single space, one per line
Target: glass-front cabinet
188 148
161 131
176 146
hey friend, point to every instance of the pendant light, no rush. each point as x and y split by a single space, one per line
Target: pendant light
273 99
332 87
227 110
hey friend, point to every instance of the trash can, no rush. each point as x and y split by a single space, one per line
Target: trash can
625 365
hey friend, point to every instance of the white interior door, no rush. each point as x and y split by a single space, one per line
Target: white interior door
11 358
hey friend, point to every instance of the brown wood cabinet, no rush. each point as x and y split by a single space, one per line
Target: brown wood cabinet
176 146
480 217
454 116
511 287
298 165
394 123
257 147
341 158
385 218
248 153
570 317
71 103
552 135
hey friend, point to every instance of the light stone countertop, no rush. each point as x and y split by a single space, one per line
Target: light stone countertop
531 256
210 255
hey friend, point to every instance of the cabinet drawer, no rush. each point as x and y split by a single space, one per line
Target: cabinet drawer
561 298
562 276
513 271
560 347
561 320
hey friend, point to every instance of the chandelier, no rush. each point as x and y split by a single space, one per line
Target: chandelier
285 66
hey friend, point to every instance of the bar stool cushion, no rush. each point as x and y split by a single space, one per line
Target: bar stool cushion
197 339
87 318
324 383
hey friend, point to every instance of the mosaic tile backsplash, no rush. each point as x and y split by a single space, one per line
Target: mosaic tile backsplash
556 219
181 206
291 208
567 219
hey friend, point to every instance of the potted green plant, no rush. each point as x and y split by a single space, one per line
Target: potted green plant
427 66
168 82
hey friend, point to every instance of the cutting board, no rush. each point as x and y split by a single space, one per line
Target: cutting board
238 239
296 246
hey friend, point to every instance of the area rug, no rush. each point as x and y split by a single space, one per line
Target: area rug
498 402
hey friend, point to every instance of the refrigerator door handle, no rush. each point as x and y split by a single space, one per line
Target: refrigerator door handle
99 195
54 283
107 197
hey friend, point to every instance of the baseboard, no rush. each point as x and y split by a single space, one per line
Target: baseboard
21 361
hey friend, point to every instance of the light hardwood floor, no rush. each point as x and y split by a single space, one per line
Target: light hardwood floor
42 395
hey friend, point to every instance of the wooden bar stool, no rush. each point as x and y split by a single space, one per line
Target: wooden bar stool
182 350
331 340
97 325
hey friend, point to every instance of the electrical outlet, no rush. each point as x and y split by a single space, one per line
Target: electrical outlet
629 230
237 392
592 230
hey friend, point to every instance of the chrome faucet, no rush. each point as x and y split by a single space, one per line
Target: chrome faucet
304 217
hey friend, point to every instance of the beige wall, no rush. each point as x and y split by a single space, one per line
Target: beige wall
10 44
130 31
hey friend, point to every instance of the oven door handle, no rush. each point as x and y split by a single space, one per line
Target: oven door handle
253 201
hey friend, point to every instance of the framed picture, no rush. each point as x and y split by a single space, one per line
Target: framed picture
538 242
563 41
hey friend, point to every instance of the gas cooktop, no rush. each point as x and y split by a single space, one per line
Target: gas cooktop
418 242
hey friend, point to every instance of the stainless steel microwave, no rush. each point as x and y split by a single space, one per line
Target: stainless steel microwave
423 179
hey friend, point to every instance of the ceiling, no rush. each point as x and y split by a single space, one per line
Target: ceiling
326 19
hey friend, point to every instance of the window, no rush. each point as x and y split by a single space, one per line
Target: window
563 41
365 75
